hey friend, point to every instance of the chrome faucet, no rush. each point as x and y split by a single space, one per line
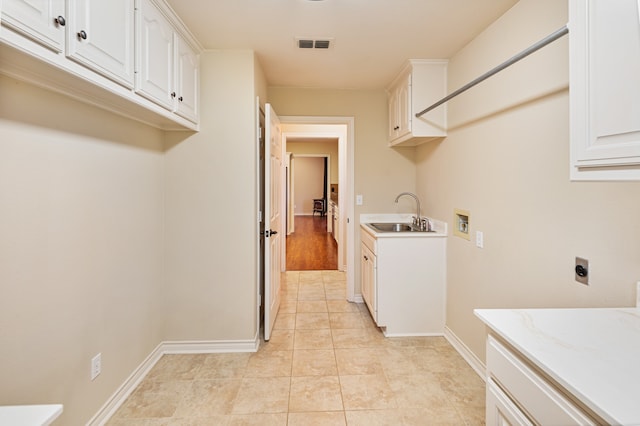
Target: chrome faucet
416 218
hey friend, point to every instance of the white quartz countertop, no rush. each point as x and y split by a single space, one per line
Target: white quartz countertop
439 227
29 415
593 353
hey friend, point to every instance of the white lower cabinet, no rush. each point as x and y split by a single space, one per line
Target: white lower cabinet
501 411
368 278
403 282
518 395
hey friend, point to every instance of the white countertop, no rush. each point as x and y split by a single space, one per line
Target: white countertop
439 227
29 415
593 353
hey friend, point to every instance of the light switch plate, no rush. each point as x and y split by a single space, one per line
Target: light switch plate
359 199
96 366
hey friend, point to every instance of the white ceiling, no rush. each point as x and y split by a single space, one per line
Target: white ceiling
371 38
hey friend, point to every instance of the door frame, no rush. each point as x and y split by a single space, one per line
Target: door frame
322 126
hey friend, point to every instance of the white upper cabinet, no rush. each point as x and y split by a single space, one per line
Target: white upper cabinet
155 70
131 57
167 66
400 107
100 36
421 83
605 89
41 20
187 80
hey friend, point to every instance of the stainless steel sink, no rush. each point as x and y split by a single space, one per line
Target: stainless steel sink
394 227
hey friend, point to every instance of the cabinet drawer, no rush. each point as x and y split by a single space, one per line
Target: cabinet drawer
529 390
501 410
368 240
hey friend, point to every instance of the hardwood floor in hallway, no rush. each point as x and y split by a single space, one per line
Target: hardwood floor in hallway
310 247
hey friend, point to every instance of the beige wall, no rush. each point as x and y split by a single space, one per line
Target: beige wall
308 183
211 208
506 161
80 249
85 196
329 148
380 172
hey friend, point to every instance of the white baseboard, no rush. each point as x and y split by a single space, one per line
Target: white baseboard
475 363
358 299
210 347
410 334
117 399
171 347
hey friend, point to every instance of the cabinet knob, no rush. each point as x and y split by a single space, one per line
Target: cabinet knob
82 34
173 94
180 98
60 21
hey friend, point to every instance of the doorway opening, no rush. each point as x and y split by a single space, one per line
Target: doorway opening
342 130
311 171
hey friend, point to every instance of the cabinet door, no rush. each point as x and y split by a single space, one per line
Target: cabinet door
404 107
37 19
368 280
155 50
100 36
605 88
393 114
400 108
187 80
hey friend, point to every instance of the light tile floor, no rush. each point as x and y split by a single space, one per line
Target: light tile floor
325 364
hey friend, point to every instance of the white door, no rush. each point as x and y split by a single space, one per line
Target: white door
101 37
273 215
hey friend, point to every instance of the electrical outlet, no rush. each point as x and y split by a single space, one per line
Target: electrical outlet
96 366
582 270
479 239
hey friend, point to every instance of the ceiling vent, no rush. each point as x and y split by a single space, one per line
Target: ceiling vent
309 43
322 44
305 44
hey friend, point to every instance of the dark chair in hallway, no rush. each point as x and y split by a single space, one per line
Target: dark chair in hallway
318 206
